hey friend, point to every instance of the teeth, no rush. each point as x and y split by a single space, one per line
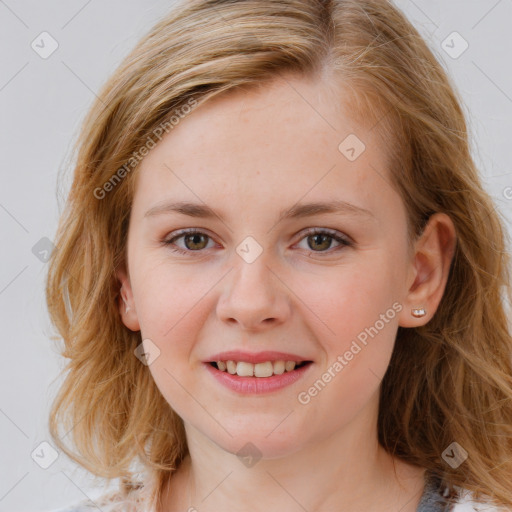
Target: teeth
244 369
289 366
263 369
279 367
266 369
231 366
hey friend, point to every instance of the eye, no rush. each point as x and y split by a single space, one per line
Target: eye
194 241
320 240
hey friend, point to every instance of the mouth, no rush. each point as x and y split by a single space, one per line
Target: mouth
248 373
263 369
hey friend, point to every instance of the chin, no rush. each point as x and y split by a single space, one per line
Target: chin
259 441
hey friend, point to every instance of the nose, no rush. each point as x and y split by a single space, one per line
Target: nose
253 297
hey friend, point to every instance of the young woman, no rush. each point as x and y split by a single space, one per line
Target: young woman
279 280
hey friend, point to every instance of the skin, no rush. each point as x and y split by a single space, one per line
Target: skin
248 155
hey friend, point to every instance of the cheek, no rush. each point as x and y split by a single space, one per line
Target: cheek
363 314
355 299
360 307
172 306
169 298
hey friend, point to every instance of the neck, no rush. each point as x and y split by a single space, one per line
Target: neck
347 471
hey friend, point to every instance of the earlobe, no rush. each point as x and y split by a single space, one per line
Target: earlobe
126 303
431 264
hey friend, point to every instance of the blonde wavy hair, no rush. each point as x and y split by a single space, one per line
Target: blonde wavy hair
449 380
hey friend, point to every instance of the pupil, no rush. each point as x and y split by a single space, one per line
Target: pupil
320 236
193 238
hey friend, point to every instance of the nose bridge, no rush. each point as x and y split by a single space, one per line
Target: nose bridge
253 295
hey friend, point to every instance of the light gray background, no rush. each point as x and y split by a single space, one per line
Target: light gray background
42 102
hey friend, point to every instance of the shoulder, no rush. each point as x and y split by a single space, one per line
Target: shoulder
467 503
139 499
112 501
78 506
473 506
438 496
109 502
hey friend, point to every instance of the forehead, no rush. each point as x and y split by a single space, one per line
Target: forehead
283 139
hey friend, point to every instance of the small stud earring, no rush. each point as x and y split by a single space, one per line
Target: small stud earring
418 312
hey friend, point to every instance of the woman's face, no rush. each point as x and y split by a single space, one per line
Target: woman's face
255 280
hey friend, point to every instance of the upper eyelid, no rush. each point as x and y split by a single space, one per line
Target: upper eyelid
189 231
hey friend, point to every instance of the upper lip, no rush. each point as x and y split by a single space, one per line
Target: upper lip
256 357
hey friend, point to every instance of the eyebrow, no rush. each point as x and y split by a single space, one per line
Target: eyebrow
297 211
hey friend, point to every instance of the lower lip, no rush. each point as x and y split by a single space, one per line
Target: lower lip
257 385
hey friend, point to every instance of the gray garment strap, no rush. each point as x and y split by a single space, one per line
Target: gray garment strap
435 497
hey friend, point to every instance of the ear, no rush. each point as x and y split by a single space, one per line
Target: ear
429 269
126 304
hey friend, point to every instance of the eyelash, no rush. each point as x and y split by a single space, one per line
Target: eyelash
344 241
